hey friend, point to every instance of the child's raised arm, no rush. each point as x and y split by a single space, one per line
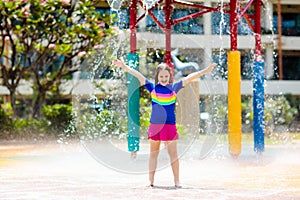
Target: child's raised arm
133 72
197 74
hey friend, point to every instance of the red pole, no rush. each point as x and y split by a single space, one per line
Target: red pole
233 25
168 26
132 27
258 48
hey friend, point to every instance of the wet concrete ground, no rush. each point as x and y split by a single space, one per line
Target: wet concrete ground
50 170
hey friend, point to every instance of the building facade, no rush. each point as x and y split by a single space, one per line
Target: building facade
206 39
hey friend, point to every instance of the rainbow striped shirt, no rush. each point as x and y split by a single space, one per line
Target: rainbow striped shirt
163 102
163 99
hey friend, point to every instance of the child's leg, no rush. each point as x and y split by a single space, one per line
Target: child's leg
154 151
172 150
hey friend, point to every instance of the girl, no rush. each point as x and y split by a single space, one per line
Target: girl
163 121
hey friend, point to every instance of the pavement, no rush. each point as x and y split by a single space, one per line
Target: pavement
75 170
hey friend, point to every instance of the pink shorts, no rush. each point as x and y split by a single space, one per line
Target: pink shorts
162 132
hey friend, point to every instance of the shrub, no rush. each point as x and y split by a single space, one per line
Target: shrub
105 124
277 111
30 128
145 110
59 117
6 123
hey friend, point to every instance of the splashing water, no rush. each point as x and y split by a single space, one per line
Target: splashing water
102 122
103 131
115 4
149 3
221 25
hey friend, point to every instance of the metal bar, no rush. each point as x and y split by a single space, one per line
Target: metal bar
258 106
233 25
133 92
168 8
258 84
140 17
257 30
194 5
279 40
234 103
190 16
248 20
246 7
133 20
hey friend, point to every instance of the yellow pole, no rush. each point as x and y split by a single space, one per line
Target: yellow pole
234 103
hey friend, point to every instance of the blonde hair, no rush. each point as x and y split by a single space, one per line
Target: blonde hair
161 67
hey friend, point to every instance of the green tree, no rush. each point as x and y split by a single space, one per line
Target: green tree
46 41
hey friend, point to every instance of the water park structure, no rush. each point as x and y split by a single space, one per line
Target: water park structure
236 12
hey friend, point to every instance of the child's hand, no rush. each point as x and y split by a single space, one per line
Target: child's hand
210 67
120 64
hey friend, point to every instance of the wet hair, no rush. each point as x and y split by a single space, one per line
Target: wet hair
161 67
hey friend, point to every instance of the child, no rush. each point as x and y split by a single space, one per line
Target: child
163 121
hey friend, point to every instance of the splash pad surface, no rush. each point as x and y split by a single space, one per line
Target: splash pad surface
59 171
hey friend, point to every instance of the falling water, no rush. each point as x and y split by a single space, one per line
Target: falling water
216 124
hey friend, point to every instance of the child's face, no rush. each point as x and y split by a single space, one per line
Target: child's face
164 77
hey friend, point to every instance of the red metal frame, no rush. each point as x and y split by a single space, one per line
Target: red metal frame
168 9
248 20
246 7
233 24
133 22
235 11
257 30
190 16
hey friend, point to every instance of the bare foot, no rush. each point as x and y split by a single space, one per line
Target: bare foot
133 155
177 184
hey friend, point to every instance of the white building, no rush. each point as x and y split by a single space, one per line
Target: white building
206 39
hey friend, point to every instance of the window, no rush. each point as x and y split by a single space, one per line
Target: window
191 26
221 25
123 18
290 24
151 24
220 57
290 65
